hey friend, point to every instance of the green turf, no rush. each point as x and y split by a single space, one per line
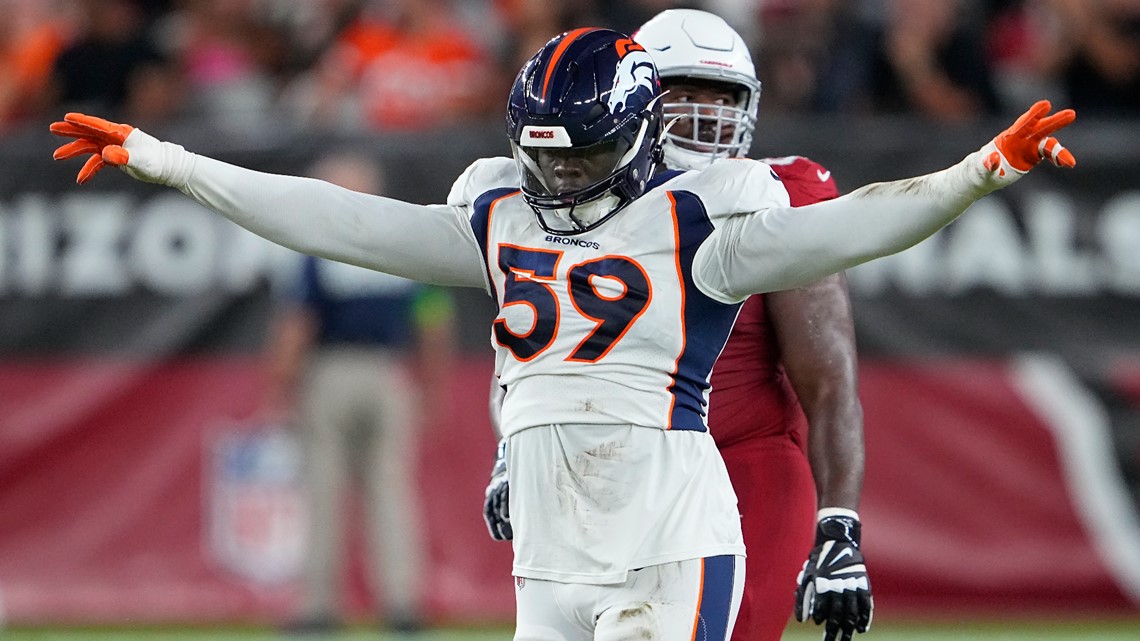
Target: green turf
1067 630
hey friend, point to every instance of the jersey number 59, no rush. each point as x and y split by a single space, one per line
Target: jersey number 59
532 275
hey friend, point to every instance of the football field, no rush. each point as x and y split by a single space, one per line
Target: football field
971 630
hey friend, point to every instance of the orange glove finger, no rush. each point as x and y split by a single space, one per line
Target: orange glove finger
67 129
115 155
1055 152
83 131
90 168
1014 143
1039 108
1057 121
112 133
75 148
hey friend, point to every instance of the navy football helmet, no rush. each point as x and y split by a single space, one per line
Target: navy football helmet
585 123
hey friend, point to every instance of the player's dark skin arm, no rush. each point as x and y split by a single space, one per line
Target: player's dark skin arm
815 331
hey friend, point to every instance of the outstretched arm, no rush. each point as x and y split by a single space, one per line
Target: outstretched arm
781 248
432 244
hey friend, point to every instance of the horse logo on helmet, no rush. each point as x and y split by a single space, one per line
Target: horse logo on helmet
635 72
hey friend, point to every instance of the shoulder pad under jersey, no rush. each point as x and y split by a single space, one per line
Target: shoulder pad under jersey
482 176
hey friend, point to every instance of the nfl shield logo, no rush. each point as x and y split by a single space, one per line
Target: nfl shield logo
257 519
520 582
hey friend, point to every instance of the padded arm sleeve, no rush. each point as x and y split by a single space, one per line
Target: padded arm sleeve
432 244
783 248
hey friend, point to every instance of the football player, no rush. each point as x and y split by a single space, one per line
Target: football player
797 344
791 354
617 287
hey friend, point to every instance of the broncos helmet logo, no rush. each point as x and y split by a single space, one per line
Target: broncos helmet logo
635 72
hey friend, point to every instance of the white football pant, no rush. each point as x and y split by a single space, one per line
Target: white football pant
680 601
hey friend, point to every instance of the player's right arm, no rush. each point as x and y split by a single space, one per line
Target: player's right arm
433 244
779 248
496 498
495 407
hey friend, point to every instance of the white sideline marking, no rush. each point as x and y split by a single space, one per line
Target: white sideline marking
1081 427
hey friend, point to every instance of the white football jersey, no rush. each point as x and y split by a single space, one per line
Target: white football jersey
604 340
608 326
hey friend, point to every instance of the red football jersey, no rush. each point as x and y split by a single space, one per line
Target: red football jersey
751 395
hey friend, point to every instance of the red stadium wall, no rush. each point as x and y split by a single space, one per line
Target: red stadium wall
112 506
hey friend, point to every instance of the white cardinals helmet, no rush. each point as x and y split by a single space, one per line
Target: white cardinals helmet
692 44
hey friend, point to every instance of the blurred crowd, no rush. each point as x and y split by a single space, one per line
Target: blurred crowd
409 65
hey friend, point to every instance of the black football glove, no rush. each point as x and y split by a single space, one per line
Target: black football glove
833 585
496 511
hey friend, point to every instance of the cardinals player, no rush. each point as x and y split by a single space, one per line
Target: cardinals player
790 361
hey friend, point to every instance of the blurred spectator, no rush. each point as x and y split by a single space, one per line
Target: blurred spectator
411 65
31 37
113 68
627 16
230 55
1021 47
338 355
402 65
532 23
1098 55
310 27
1085 53
797 36
935 61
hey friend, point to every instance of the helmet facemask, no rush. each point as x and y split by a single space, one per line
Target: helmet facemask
697 133
574 189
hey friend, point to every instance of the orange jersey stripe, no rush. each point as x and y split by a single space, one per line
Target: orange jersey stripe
700 598
681 280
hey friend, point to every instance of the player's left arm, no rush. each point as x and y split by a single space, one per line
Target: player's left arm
781 247
815 331
496 498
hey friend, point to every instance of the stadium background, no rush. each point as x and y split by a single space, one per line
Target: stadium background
1000 375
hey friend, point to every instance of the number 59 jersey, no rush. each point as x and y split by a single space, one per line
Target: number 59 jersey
608 326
